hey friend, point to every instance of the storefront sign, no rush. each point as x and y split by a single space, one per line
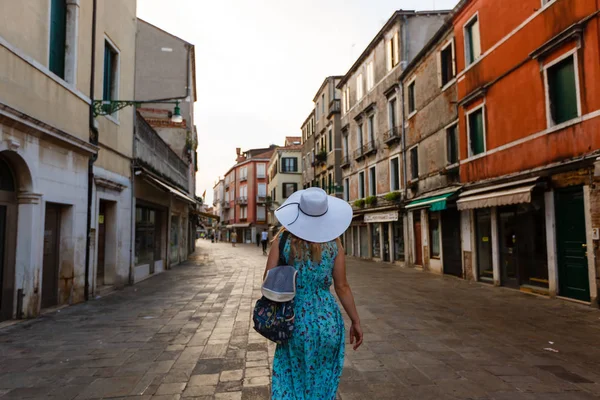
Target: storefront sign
382 217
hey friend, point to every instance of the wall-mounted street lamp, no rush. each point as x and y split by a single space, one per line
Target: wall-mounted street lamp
109 107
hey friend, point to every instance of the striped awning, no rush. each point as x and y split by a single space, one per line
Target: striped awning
500 195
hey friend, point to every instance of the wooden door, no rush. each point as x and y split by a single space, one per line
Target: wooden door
418 242
451 246
50 261
573 278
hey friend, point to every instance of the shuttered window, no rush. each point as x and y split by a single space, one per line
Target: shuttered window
476 132
111 72
452 144
395 174
414 163
330 140
372 182
411 98
447 65
562 90
361 185
472 41
58 35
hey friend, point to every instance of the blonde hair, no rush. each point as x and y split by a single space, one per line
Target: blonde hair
302 250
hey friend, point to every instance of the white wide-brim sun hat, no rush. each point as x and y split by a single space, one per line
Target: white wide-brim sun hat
314 216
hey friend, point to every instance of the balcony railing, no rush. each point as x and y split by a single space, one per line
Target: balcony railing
392 135
359 153
334 107
243 178
345 161
261 199
227 205
153 151
370 148
242 200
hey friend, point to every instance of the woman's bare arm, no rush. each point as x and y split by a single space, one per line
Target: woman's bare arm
342 288
273 258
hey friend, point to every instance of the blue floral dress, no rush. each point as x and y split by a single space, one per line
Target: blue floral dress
309 365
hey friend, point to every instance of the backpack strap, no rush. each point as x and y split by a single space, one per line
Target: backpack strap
282 242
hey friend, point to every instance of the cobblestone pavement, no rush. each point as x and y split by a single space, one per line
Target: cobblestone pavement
186 334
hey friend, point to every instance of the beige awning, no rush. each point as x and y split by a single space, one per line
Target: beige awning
471 200
171 189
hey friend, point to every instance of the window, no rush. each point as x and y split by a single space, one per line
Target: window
346 189
414 163
260 170
243 212
317 111
274 195
330 139
262 189
359 134
261 213
243 173
346 99
476 128
147 234
323 183
111 73
562 91
289 164
472 41
371 128
434 232
289 189
395 174
392 113
359 87
372 182
447 64
411 98
330 184
346 148
452 144
244 192
361 185
370 76
323 104
58 37
392 52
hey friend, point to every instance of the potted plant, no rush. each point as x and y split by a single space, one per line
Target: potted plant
321 156
371 200
393 196
359 203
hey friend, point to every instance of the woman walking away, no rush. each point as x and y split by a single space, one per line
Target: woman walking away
309 365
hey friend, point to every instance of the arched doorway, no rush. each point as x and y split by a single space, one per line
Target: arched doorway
8 230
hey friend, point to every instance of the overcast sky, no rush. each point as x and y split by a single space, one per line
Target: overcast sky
260 62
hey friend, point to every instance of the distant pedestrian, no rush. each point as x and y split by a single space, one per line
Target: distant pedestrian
233 238
309 365
264 239
257 239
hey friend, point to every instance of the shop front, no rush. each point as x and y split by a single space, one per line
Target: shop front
510 234
436 231
386 235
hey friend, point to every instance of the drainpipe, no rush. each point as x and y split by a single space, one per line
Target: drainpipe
93 158
404 163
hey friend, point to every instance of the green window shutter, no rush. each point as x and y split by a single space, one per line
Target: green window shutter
452 145
58 36
563 91
476 132
106 92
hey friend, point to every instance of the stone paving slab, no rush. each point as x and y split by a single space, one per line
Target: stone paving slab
186 334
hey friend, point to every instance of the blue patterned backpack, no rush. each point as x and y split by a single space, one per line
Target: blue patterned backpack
273 317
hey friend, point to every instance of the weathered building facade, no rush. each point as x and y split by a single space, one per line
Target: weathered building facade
219 207
372 159
48 142
285 176
308 151
165 161
529 143
327 137
430 148
246 196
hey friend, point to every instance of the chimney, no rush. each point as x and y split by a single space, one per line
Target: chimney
238 151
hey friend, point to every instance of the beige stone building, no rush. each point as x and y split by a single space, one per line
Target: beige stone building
285 176
165 162
308 151
371 126
48 141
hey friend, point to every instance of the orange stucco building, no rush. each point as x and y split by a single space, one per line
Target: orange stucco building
528 83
